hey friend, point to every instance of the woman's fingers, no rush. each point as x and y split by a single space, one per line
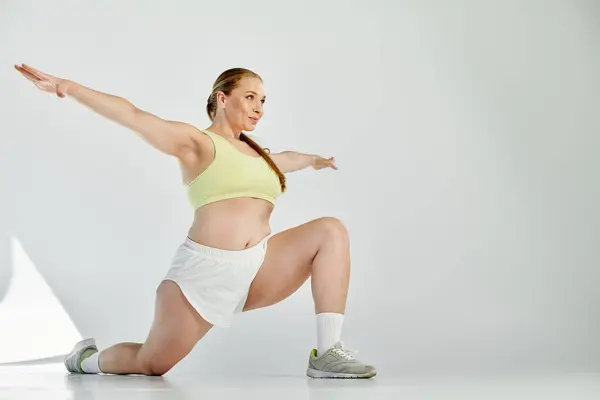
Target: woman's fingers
36 72
27 74
40 82
32 77
40 75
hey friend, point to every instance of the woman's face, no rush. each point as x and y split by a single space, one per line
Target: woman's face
244 107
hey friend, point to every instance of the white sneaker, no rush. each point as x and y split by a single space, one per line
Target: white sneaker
81 351
338 362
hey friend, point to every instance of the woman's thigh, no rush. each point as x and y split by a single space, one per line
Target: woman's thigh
176 329
289 259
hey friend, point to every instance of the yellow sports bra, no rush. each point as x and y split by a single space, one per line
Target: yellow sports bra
231 174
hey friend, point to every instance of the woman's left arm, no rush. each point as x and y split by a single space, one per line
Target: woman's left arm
290 161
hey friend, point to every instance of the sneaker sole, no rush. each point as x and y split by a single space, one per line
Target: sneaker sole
78 347
315 373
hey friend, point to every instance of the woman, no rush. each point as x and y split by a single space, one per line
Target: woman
227 263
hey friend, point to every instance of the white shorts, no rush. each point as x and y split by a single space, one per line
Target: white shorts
216 281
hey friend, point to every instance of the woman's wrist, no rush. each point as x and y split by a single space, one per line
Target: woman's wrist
67 87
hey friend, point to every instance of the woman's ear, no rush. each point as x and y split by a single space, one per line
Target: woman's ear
221 98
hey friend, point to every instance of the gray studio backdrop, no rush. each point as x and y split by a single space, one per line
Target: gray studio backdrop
466 136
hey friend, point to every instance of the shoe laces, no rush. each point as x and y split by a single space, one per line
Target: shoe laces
343 352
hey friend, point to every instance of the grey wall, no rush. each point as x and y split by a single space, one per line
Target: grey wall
466 137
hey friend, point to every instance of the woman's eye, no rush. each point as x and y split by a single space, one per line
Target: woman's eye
250 97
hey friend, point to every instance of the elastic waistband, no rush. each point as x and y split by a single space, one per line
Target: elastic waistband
258 250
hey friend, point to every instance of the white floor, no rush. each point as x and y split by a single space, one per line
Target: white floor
52 382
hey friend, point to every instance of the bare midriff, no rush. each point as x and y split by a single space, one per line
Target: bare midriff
232 224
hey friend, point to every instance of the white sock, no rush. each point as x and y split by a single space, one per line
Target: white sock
329 330
91 365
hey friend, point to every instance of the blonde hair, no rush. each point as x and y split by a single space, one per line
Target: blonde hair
226 83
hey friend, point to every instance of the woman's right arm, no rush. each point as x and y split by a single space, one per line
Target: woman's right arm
169 137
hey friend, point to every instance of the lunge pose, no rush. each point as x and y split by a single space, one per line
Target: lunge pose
228 262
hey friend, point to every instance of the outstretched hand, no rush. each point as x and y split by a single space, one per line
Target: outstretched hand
45 82
320 163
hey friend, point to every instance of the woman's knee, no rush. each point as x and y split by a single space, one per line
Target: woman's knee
333 227
154 361
154 366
